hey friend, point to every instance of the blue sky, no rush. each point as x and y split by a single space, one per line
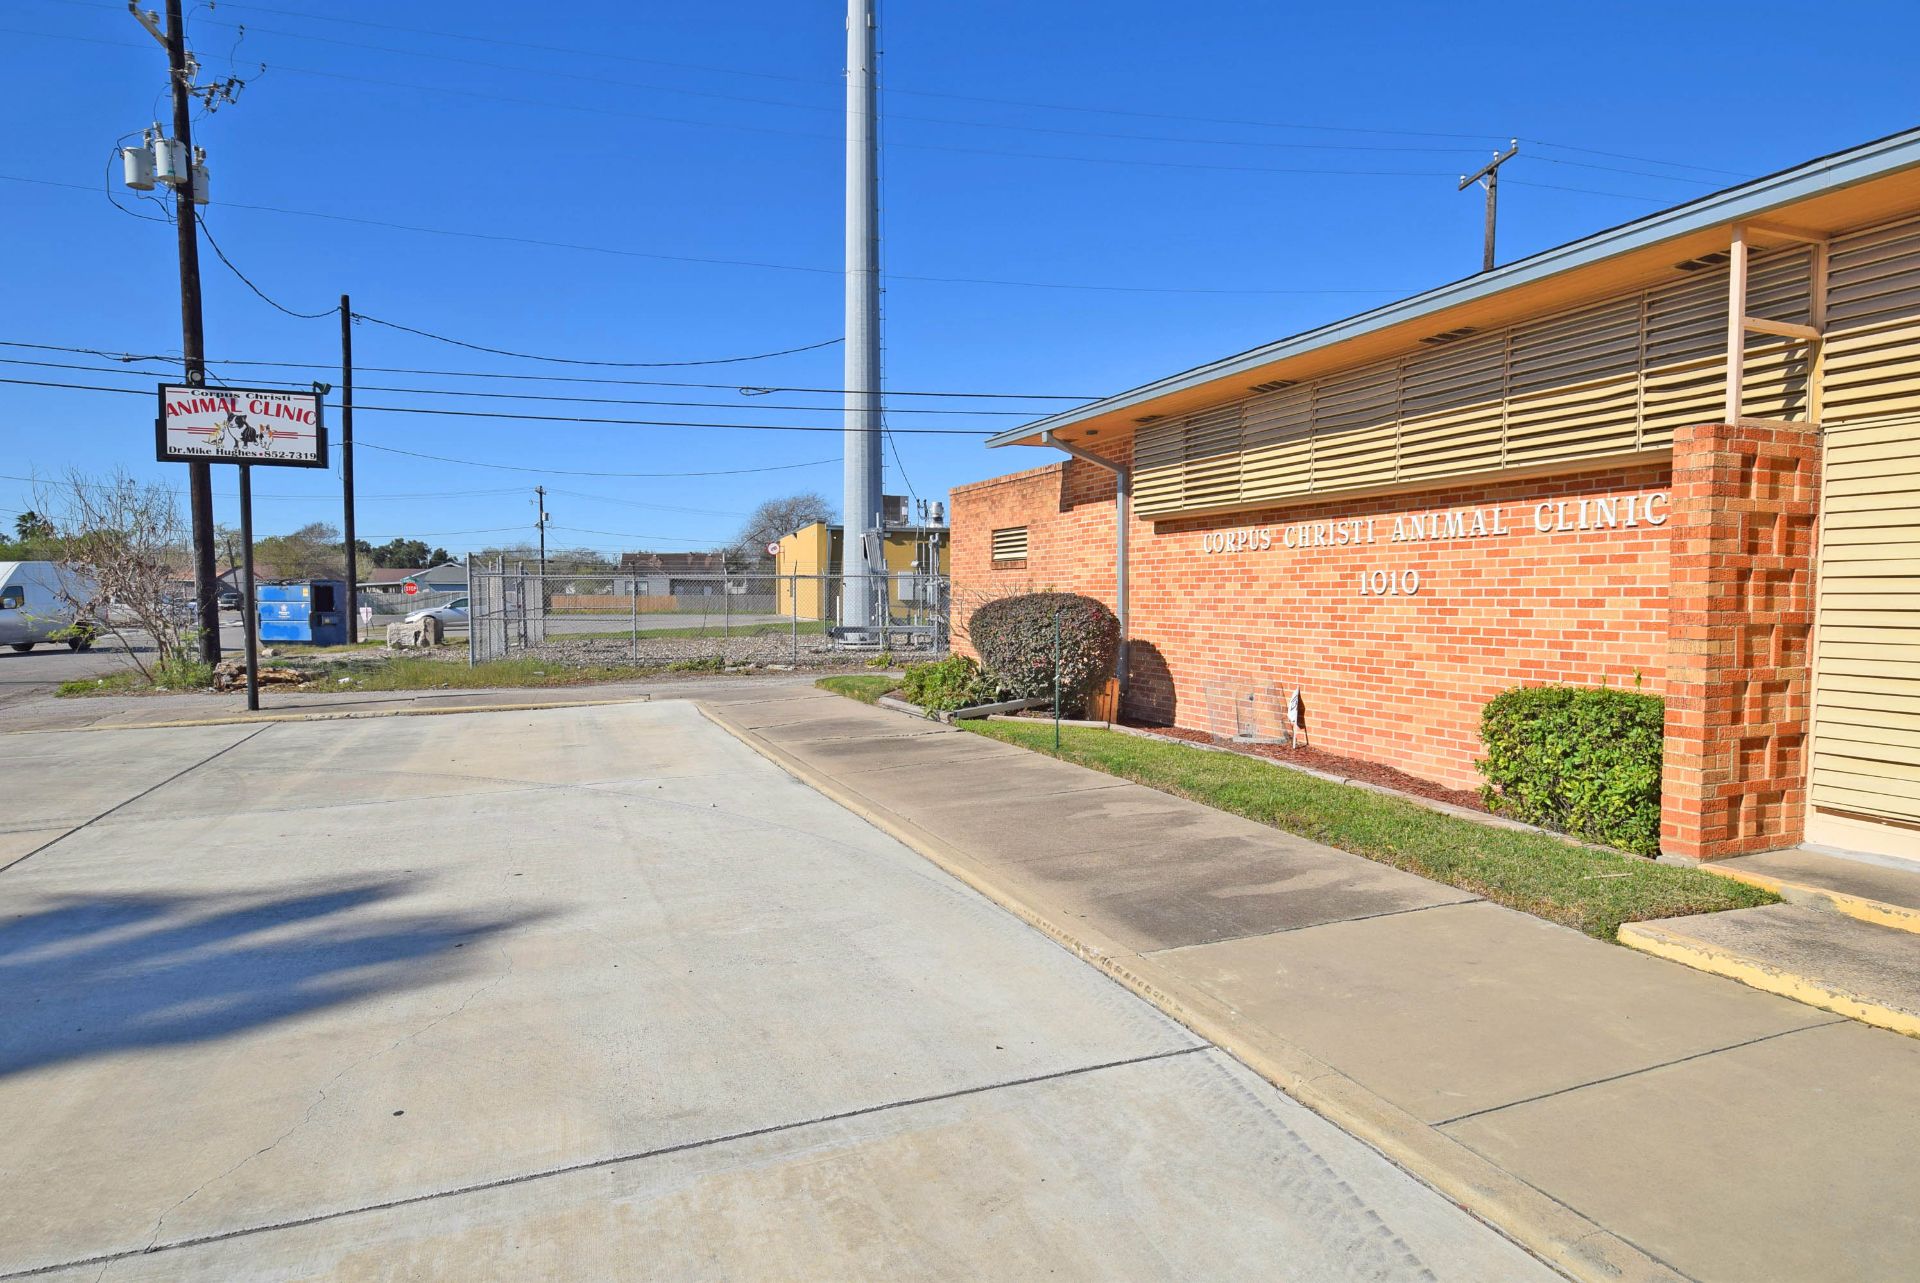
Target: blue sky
1177 158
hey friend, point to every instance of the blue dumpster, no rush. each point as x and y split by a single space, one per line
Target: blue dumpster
312 611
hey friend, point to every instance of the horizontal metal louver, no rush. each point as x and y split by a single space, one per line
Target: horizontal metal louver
1355 427
1872 360
1213 458
1010 544
1452 412
1276 435
1592 383
1686 357
1159 474
1574 386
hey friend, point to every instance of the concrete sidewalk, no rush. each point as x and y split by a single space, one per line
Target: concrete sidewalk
1625 1117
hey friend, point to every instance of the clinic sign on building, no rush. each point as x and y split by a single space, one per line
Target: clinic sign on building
1548 517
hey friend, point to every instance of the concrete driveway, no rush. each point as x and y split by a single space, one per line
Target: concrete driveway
615 998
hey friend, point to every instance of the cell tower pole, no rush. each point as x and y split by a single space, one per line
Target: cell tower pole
861 503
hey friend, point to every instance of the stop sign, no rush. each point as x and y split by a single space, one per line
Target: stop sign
410 588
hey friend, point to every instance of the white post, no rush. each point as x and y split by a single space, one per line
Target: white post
1736 324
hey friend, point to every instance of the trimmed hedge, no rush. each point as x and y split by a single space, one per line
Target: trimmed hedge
1582 760
946 684
1014 636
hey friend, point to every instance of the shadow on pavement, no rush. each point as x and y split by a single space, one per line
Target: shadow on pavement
85 976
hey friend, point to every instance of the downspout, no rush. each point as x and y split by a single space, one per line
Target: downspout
1122 505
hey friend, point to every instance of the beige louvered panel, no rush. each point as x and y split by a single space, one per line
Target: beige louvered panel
1867 664
1159 469
1686 356
1451 412
1873 325
1010 544
1775 370
1276 431
1874 276
1574 386
1213 457
1355 426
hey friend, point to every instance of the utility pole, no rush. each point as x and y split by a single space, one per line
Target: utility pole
192 335
346 466
861 498
540 493
1488 176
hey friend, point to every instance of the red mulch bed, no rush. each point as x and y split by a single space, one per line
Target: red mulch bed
1351 768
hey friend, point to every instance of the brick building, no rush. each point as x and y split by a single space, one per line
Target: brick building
1550 472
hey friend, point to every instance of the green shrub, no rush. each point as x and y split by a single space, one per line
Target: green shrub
182 672
1015 638
953 682
1581 760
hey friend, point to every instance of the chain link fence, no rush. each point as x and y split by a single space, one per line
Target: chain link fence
724 620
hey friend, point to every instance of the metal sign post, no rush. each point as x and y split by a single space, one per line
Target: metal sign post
249 611
247 427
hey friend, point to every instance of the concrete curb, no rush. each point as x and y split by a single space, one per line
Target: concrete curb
1675 946
1877 912
249 719
1549 1229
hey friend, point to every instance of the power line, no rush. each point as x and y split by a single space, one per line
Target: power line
750 389
576 472
569 360
246 281
543 418
1082 108
522 396
614 251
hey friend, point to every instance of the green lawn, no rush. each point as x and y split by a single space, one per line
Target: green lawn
865 687
1594 891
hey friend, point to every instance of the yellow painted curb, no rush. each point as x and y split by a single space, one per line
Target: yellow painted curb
1543 1226
250 719
1878 912
1648 938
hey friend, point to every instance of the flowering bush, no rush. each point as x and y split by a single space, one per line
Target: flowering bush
1015 638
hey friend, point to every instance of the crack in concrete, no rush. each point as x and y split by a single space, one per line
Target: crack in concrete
523 1178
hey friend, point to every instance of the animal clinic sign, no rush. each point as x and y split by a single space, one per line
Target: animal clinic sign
239 425
1613 513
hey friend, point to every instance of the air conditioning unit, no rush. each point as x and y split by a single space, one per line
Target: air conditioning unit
894 510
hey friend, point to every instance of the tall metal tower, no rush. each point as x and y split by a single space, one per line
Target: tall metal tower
862 595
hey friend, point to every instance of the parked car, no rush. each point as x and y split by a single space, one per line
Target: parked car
451 615
34 608
230 599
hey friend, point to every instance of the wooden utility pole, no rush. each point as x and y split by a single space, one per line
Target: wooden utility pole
346 466
1488 176
192 336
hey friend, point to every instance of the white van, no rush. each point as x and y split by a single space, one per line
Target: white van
32 610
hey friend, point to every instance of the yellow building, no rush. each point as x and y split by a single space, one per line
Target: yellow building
809 564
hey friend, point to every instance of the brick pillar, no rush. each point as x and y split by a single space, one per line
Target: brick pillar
1745 505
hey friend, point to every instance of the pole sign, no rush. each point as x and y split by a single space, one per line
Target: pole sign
239 425
410 587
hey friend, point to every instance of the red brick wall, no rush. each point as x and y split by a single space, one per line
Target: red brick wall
1396 679
1746 507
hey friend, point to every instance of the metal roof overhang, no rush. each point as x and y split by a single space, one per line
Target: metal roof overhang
1863 185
